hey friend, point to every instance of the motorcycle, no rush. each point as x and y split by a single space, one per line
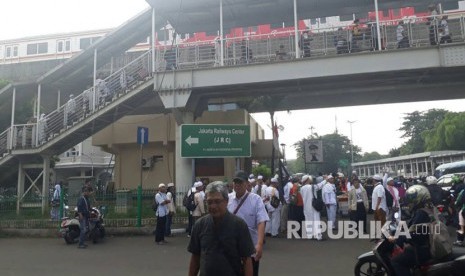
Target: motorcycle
447 209
377 262
70 228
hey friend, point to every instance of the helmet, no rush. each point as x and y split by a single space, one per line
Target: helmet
430 180
417 197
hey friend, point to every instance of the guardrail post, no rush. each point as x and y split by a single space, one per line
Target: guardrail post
139 206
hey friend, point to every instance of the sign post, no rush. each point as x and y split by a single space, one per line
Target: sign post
142 139
215 141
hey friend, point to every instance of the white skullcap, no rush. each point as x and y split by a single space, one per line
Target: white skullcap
260 177
274 180
307 177
377 177
198 184
161 185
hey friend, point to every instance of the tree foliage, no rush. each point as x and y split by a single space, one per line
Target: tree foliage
369 156
449 134
413 127
262 170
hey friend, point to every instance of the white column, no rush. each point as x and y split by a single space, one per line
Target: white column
45 180
221 34
296 31
20 191
58 99
39 92
12 131
184 166
154 31
377 25
95 67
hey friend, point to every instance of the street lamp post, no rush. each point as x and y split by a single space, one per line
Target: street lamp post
351 143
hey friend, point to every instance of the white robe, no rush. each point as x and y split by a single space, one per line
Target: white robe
312 216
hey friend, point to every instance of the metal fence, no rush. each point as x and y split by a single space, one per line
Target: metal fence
120 209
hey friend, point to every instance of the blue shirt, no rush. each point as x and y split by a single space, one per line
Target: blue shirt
162 209
253 212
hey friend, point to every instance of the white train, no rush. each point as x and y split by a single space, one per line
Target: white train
54 46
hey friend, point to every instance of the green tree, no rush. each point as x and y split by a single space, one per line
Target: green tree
415 124
336 154
369 156
448 134
262 170
394 152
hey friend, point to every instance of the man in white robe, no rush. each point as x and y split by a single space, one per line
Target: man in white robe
272 226
309 191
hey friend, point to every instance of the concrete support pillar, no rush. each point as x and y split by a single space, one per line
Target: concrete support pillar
45 182
21 178
12 131
184 168
153 36
296 31
39 92
426 166
221 35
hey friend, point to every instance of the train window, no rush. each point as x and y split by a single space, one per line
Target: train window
60 46
37 48
86 42
11 51
63 46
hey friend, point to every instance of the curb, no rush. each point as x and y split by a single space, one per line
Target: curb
111 231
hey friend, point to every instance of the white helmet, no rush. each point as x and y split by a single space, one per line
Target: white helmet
430 180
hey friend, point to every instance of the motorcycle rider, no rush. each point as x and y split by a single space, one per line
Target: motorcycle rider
416 249
436 192
83 209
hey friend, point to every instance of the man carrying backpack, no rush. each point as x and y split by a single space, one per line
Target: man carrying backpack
189 202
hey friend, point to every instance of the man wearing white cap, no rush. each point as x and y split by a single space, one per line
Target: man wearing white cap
198 198
329 198
309 191
170 195
272 226
161 213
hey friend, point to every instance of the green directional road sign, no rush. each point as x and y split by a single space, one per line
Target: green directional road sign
200 141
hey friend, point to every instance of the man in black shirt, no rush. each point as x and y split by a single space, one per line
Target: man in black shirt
220 241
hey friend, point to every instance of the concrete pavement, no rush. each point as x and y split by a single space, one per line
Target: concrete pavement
141 256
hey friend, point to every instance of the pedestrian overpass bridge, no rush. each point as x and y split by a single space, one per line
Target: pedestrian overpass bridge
197 77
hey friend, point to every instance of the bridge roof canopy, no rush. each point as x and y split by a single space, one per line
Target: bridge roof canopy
429 154
188 16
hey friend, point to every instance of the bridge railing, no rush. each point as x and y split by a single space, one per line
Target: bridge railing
4 142
424 31
77 108
261 48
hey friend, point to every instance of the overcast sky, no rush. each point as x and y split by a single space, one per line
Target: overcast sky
22 18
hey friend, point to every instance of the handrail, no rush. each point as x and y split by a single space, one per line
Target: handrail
421 31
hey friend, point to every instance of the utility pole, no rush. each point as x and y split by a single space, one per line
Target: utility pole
351 143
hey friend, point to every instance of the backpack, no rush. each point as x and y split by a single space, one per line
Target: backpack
389 198
440 245
189 201
317 202
155 203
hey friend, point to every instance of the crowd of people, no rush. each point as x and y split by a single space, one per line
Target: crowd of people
221 213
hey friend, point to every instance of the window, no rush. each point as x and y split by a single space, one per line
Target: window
63 46
86 42
209 167
11 51
37 48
